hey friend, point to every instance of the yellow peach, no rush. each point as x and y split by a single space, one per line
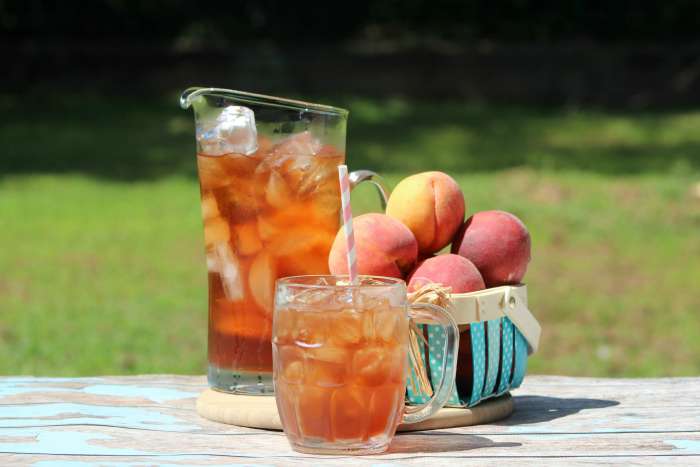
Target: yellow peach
431 205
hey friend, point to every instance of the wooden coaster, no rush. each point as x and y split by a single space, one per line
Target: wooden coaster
261 412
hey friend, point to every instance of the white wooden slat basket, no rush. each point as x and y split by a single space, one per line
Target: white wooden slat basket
497 333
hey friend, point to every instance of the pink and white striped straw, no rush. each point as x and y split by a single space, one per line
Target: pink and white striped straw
347 221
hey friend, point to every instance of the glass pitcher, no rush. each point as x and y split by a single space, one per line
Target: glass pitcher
270 199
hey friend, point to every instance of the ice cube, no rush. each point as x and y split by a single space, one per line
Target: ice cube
212 262
386 324
375 298
298 145
346 327
326 202
229 269
326 366
323 170
233 131
307 173
372 366
310 329
299 159
277 194
262 280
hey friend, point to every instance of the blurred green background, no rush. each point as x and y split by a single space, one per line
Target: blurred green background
584 122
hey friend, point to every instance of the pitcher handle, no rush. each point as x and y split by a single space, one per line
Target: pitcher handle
359 176
425 313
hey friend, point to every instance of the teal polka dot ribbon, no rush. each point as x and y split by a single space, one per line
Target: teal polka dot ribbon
499 361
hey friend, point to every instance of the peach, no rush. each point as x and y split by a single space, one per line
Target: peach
498 244
449 270
383 246
431 205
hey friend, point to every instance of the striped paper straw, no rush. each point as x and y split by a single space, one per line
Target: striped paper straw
347 221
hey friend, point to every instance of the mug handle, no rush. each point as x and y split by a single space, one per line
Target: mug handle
429 313
358 176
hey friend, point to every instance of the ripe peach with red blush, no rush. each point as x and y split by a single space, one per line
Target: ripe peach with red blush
383 247
450 270
498 244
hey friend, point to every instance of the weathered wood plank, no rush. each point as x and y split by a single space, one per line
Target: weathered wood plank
149 420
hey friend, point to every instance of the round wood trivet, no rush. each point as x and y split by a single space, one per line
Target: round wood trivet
261 412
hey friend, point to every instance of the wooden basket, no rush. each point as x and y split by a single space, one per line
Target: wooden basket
497 334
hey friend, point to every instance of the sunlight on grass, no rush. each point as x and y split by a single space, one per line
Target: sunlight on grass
103 269
121 266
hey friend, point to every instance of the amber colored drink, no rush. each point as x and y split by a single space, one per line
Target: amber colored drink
269 214
340 372
340 353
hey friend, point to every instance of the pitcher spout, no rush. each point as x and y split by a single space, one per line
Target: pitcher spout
190 94
200 94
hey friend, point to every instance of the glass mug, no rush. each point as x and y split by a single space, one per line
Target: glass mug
341 361
270 203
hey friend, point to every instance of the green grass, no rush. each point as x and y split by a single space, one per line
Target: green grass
102 270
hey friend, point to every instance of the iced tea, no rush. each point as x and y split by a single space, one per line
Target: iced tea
268 214
340 366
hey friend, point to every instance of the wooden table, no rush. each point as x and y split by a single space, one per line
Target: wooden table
147 420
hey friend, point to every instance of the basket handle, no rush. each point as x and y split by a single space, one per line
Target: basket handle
509 301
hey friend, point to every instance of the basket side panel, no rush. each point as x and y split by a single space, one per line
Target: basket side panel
506 355
520 359
436 342
493 355
478 361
